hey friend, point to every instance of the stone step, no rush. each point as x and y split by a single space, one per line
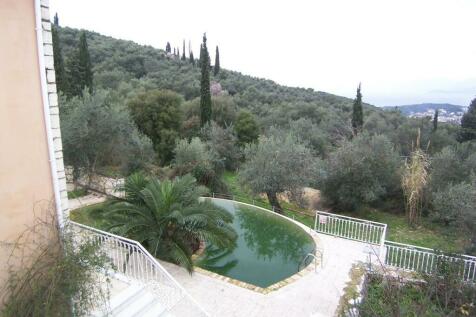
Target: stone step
155 310
136 307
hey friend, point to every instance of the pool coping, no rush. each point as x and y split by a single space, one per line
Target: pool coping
277 285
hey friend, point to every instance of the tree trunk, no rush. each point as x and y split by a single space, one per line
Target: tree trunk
273 200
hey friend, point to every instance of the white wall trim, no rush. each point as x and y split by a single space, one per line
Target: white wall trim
46 112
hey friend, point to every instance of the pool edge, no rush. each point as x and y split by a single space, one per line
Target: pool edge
278 285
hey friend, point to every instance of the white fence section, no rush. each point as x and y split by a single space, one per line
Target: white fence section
350 228
393 254
132 260
419 259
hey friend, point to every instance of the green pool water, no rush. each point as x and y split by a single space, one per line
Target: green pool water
268 250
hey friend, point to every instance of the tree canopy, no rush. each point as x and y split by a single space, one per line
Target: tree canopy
158 114
269 163
468 123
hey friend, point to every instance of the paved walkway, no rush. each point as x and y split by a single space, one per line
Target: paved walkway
84 201
315 294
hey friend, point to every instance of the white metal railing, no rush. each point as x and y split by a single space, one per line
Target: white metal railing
419 259
350 228
131 259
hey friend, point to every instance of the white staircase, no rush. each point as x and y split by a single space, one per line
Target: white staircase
140 284
134 300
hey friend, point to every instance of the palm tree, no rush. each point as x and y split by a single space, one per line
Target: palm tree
169 218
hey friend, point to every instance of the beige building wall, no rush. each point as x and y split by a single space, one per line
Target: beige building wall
26 181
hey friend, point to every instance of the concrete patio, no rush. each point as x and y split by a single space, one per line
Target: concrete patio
315 294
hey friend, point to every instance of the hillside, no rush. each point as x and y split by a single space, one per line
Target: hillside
115 61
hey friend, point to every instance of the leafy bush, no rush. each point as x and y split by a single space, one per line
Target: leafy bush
157 114
455 205
50 275
311 135
223 109
440 294
196 158
361 171
246 128
224 143
453 165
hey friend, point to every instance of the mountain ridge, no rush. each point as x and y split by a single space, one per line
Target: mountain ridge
424 107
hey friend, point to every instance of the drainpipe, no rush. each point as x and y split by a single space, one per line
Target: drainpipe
46 112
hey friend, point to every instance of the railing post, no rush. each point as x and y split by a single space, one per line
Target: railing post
315 221
382 243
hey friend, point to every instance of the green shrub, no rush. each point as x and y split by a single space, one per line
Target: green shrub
455 205
50 275
224 143
440 294
196 158
362 171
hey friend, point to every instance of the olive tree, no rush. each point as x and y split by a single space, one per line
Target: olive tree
312 136
96 133
276 164
452 165
363 170
455 205
224 143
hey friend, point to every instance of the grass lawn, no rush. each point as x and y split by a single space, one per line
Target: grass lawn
90 215
428 234
76 193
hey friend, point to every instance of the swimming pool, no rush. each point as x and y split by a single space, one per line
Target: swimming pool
269 248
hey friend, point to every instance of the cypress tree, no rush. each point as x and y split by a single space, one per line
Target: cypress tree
357 113
468 123
205 96
168 49
435 120
190 53
178 52
183 51
85 63
73 75
56 20
216 70
60 71
78 69
175 53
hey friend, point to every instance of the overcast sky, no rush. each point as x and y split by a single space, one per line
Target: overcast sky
403 51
